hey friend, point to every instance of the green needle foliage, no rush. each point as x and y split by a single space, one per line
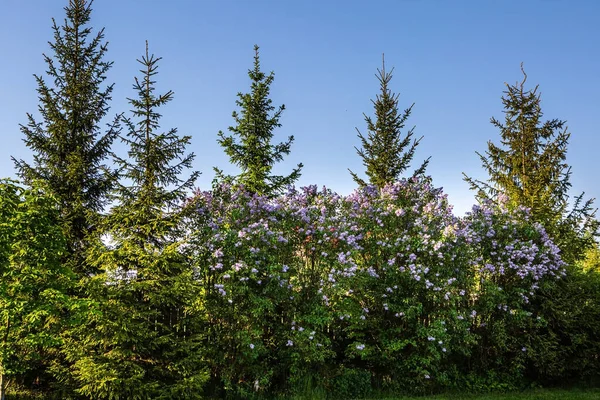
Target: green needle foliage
591 262
385 152
141 342
529 169
249 146
33 281
68 144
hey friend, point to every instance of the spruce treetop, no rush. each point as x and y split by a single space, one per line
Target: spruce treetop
529 169
69 145
249 146
156 158
385 153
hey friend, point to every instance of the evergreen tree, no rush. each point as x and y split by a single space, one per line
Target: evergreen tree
529 169
142 343
385 153
249 146
68 144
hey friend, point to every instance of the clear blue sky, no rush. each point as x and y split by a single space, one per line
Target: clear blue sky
451 59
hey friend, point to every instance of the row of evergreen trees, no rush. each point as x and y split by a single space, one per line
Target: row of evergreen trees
72 153
73 163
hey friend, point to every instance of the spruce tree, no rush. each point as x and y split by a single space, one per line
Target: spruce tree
385 152
142 343
529 169
249 146
69 145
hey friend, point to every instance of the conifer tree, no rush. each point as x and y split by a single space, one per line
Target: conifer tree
385 153
142 343
249 146
529 169
70 148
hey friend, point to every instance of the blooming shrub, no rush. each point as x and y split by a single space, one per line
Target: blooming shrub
509 257
257 261
311 284
394 313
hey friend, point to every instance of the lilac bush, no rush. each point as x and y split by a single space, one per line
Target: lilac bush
256 258
388 281
395 312
509 257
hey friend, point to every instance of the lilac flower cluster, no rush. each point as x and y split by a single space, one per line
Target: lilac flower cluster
503 246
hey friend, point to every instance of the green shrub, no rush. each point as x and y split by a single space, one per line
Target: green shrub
351 383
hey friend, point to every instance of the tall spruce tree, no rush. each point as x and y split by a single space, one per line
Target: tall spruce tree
385 153
142 343
249 146
70 148
529 169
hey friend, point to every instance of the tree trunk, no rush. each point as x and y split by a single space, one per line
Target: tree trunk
2 384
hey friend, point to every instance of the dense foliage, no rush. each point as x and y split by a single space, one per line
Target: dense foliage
529 169
33 280
387 283
256 288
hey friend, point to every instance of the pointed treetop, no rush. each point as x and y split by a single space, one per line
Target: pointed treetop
528 169
156 158
249 146
385 152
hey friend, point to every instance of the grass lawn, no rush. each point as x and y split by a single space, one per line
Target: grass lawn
542 394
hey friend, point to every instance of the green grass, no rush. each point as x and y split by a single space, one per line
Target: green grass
539 394
542 394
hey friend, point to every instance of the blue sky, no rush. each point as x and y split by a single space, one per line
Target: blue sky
451 59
